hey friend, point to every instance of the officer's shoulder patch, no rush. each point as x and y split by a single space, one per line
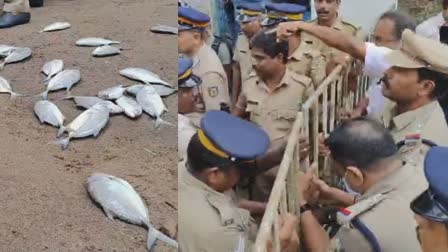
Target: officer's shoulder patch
213 91
346 215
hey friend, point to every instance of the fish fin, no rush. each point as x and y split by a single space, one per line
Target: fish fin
61 130
160 121
47 79
69 93
63 143
154 235
15 95
109 214
115 42
43 95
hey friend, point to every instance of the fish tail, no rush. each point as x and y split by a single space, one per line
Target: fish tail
15 95
154 235
61 130
160 121
63 143
44 95
46 79
2 65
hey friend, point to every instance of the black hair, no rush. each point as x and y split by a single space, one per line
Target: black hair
268 43
445 4
361 142
402 21
440 80
200 159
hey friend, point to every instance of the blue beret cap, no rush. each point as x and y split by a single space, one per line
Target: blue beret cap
239 139
186 78
433 203
190 18
249 12
283 12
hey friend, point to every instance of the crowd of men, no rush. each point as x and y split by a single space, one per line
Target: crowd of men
388 151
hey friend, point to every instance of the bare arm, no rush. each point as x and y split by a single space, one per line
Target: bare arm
315 238
333 38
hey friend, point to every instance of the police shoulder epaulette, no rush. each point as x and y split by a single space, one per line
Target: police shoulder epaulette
345 215
356 28
302 79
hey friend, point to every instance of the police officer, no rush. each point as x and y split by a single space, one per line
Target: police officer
271 98
249 19
218 156
431 207
15 12
189 101
206 64
366 157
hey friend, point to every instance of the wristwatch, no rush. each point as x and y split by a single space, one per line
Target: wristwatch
305 207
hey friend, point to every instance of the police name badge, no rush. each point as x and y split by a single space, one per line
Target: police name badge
213 91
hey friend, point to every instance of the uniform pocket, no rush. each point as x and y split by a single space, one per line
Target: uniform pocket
284 118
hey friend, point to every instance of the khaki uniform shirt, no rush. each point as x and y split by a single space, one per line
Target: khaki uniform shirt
340 25
243 56
209 220
308 61
390 219
274 110
214 87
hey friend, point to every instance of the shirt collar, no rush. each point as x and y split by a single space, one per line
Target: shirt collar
402 120
284 81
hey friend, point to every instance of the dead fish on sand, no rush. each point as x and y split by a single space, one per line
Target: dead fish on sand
56 27
88 123
143 75
152 104
48 112
95 42
130 106
65 79
162 90
90 101
51 68
119 199
5 87
6 50
164 29
112 93
17 55
106 50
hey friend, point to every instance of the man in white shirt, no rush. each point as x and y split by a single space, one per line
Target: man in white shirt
431 27
386 37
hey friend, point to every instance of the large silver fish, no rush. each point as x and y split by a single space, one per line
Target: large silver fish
112 93
143 75
51 68
95 42
63 80
17 55
119 199
106 50
88 123
90 101
152 104
48 112
130 106
5 87
164 29
162 90
56 27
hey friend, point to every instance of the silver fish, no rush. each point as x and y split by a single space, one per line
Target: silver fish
6 50
51 68
106 50
162 90
143 75
88 123
112 93
5 87
90 101
152 104
164 29
65 79
130 106
119 199
17 55
56 27
95 42
48 112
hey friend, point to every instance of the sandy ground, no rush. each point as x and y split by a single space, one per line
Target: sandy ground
44 204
